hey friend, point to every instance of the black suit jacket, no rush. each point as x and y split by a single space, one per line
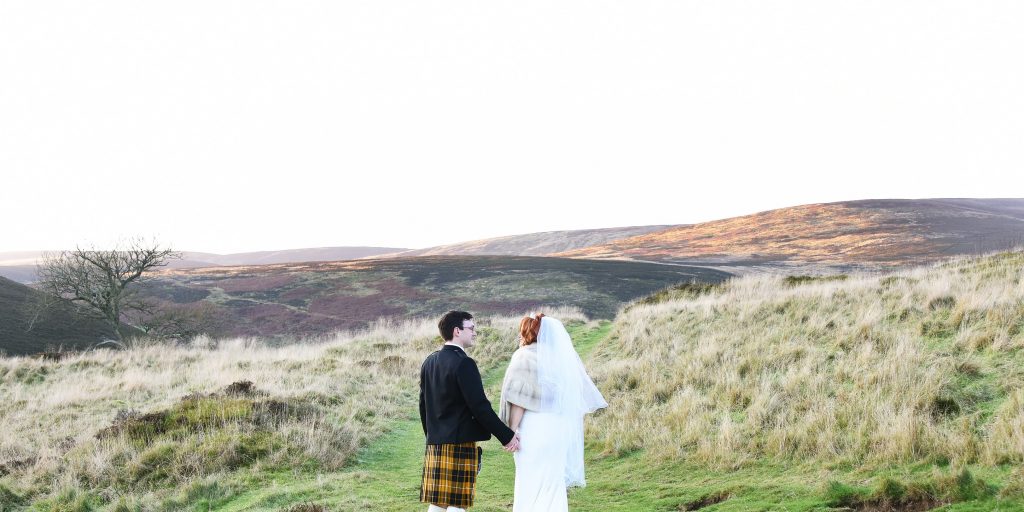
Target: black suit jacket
453 407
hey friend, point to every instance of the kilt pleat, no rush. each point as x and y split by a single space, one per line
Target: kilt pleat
449 474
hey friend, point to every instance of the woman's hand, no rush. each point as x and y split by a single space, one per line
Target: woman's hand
512 445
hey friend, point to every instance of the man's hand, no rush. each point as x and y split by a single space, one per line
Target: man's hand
512 445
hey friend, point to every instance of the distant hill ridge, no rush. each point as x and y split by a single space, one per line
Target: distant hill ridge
20 266
825 236
533 244
876 231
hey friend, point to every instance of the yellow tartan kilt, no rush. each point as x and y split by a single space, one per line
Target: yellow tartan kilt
449 474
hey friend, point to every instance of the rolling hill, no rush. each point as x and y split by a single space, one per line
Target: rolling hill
533 244
882 232
273 294
21 266
899 391
203 259
27 329
825 237
304 299
19 273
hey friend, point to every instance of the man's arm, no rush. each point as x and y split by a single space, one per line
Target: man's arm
468 377
423 405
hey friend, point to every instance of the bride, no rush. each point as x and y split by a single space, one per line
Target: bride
544 396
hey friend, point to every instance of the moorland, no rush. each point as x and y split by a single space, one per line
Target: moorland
864 391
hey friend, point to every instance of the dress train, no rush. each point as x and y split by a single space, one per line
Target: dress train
540 464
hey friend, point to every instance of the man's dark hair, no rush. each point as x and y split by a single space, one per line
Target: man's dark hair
450 321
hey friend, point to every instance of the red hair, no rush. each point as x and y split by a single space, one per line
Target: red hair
529 328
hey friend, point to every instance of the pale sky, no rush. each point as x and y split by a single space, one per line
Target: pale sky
254 125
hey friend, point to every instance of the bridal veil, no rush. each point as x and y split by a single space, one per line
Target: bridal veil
565 390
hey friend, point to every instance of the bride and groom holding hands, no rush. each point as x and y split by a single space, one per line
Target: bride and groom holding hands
544 396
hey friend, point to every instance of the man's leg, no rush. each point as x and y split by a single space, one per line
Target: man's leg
435 508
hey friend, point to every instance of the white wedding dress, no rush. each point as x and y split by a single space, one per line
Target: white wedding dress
541 463
550 455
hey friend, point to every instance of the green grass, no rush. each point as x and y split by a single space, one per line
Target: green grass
386 475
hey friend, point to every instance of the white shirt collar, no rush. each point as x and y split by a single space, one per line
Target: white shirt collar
455 345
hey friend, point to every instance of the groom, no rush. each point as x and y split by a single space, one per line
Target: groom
455 414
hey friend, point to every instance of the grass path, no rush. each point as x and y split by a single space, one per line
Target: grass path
386 476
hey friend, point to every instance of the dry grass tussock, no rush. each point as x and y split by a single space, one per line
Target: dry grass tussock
870 369
155 419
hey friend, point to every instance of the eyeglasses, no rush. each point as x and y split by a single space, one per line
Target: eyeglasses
470 328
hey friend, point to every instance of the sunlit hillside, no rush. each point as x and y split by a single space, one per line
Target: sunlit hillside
867 371
534 244
851 233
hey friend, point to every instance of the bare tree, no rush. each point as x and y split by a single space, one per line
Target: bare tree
180 322
103 282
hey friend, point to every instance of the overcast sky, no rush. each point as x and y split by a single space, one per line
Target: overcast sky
254 125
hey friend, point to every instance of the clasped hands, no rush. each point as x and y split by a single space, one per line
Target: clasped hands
512 445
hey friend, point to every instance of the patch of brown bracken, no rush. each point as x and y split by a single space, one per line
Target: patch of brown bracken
132 422
54 356
914 505
705 501
244 388
10 466
392 362
306 507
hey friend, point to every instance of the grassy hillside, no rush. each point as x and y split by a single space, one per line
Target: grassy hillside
166 427
26 327
866 392
845 234
916 375
317 298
